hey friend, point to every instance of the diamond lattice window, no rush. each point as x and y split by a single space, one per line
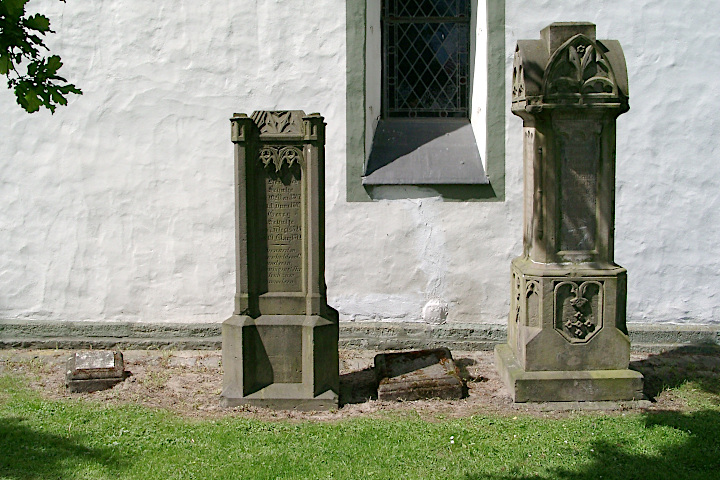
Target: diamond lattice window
426 45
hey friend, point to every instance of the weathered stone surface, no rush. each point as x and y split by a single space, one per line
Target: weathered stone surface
417 375
280 347
92 370
566 385
281 361
567 338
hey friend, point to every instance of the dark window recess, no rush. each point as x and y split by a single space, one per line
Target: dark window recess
424 136
426 45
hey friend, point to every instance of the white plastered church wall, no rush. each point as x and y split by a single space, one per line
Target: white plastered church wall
120 206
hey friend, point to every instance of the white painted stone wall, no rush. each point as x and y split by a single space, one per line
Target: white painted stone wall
120 206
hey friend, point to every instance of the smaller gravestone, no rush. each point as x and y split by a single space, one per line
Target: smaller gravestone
93 370
280 346
418 375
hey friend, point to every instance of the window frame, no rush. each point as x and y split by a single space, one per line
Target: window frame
363 109
392 21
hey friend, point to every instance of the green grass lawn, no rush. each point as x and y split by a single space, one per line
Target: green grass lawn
74 439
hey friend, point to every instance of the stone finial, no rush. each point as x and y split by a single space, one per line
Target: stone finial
555 34
568 66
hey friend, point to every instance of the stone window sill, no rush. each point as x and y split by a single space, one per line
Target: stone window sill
424 151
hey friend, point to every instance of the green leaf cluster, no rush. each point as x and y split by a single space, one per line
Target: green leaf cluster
31 75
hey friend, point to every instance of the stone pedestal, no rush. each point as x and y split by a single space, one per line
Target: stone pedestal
280 347
567 339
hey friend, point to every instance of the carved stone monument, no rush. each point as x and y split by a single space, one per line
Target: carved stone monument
280 347
567 339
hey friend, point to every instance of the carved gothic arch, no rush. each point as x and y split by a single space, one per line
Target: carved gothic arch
580 67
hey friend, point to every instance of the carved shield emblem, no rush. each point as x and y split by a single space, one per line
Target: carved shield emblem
578 309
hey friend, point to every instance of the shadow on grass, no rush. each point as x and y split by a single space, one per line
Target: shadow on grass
693 363
26 453
696 458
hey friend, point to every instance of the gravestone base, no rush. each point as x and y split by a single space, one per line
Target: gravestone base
92 385
567 339
566 385
281 361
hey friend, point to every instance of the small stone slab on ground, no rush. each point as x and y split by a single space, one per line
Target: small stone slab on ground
93 370
417 375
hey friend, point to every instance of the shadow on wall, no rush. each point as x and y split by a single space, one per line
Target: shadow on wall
26 453
396 139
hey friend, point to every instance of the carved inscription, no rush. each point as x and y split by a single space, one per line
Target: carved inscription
284 235
579 146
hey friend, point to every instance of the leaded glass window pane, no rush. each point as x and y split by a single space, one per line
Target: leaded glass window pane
427 8
426 45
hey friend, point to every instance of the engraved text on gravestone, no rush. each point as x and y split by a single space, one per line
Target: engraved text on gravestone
284 235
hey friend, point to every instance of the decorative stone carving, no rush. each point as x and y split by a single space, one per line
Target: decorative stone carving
518 296
518 90
579 67
279 157
578 309
532 304
287 122
567 338
280 347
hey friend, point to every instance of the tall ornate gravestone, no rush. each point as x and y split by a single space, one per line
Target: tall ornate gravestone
280 347
567 339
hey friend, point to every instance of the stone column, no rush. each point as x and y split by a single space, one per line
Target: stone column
280 347
567 339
